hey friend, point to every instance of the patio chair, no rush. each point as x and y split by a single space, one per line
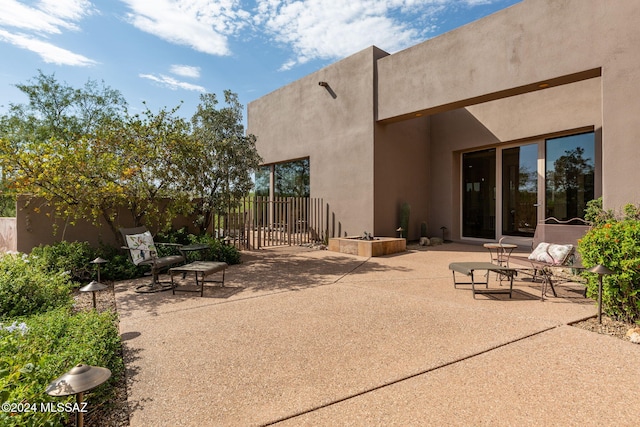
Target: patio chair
142 251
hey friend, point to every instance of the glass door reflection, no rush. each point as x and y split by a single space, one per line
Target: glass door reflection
520 190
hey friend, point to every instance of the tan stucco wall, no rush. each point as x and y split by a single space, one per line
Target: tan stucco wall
304 119
401 176
477 86
514 50
36 225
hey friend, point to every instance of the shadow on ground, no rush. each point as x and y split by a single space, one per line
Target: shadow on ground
260 273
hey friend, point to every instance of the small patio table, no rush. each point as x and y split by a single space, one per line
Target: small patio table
202 268
502 252
468 268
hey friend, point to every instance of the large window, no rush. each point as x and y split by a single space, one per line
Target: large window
263 179
291 179
526 183
569 175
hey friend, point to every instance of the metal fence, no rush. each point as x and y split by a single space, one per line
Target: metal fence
260 222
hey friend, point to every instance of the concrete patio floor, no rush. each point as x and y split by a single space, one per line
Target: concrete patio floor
306 337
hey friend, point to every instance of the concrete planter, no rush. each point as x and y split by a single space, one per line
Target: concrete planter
368 248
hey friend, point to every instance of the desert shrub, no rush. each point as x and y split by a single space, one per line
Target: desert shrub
43 347
217 251
74 257
615 243
25 288
119 265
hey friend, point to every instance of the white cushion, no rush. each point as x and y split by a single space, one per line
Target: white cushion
551 253
540 253
559 253
142 245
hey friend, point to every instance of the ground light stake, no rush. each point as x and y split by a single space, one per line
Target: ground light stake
97 262
600 270
79 379
93 287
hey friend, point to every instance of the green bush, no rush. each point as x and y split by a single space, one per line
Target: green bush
615 243
74 257
48 345
25 288
217 251
118 265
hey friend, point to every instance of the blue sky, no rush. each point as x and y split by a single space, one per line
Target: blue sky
167 51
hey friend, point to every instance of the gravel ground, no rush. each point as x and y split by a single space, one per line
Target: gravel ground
609 326
116 413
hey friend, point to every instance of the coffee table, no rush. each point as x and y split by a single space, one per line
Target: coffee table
201 269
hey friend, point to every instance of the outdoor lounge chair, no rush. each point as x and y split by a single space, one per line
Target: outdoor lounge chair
142 251
554 246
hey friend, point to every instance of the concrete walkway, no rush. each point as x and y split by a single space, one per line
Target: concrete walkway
316 338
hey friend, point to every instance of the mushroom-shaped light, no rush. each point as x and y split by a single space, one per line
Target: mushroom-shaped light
93 287
79 379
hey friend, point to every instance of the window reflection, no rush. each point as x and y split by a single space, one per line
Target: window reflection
291 179
569 175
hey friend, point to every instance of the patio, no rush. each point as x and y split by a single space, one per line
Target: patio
305 337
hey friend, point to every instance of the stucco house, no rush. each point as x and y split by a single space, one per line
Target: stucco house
525 114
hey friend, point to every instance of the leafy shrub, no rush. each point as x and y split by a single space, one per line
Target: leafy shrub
615 243
217 251
119 265
25 288
74 257
53 344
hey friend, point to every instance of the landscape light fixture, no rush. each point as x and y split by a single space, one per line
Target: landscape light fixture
79 379
600 270
93 287
97 262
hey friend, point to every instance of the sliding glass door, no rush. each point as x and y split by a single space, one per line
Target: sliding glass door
479 199
525 184
520 190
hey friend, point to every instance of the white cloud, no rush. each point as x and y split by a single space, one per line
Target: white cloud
186 71
50 16
331 29
47 51
203 25
171 83
47 17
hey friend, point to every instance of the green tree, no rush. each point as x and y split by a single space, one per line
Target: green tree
55 112
87 157
225 157
80 151
154 153
58 110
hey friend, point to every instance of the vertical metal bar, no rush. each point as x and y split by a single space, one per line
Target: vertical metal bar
307 218
288 213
